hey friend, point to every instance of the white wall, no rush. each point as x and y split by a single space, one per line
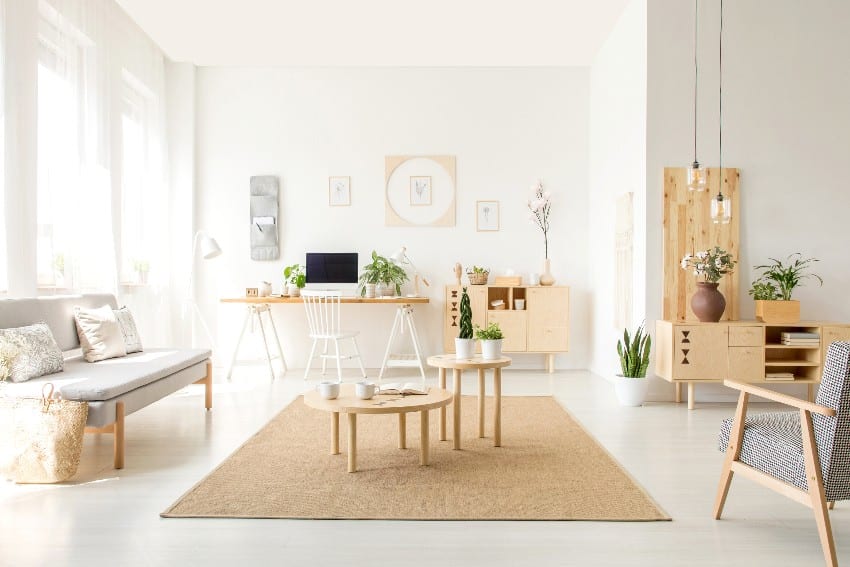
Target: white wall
786 126
507 127
617 166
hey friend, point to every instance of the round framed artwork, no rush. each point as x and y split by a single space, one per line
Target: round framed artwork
420 190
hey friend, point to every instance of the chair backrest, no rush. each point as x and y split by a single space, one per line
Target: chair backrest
323 311
832 434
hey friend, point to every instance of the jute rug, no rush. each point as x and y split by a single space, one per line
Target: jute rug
548 468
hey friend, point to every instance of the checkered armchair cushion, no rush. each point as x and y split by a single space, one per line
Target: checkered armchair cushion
773 442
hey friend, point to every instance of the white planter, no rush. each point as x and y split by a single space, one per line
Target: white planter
491 349
294 290
464 348
369 290
630 391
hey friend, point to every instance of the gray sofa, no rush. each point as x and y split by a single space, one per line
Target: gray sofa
113 388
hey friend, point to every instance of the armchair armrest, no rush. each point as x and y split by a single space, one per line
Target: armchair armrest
781 398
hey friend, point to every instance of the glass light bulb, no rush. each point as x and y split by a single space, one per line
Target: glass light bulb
721 209
697 179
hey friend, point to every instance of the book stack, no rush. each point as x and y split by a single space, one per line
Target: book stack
779 377
800 339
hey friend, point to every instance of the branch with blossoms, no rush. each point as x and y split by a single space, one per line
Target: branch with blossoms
710 265
539 205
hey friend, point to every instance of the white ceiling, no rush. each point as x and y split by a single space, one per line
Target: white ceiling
378 32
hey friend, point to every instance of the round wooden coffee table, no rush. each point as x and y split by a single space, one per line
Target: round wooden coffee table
350 404
458 365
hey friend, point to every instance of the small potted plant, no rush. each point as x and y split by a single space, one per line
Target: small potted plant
465 343
383 272
631 384
491 341
477 275
141 267
773 288
295 279
708 304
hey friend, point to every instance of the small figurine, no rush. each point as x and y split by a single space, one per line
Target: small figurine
458 272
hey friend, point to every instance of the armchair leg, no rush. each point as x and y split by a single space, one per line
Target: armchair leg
816 489
118 437
832 505
733 452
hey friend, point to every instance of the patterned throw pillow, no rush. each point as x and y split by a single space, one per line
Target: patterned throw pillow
132 340
99 332
30 352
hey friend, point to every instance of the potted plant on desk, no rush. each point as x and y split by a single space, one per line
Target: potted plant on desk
491 341
773 288
631 385
465 343
295 279
382 271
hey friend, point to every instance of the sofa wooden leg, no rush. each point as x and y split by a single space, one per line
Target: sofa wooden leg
118 436
208 381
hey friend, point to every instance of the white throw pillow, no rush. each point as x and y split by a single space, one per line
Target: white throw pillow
132 340
29 352
99 332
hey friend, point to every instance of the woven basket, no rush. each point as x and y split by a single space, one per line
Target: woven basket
478 279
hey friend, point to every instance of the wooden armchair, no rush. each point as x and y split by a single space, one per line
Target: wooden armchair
804 455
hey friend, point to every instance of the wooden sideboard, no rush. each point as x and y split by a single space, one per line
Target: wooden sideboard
542 327
693 352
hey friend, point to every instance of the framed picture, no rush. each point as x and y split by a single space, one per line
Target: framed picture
339 191
487 216
420 190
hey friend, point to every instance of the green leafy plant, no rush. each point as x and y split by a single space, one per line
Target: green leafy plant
141 266
382 271
59 263
491 332
294 275
465 316
710 265
477 270
782 278
634 353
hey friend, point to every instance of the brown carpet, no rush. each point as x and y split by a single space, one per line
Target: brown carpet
548 468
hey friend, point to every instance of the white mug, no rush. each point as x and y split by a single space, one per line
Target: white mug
365 390
534 279
519 304
265 289
328 390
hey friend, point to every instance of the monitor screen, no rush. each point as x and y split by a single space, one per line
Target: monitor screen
335 267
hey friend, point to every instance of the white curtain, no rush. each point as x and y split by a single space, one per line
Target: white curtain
4 258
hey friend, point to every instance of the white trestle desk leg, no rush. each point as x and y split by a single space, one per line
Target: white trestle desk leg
277 342
248 314
265 342
310 359
415 336
396 323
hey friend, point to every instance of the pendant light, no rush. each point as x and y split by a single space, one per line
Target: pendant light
697 180
721 205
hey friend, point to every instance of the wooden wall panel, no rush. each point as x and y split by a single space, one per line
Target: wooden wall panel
688 228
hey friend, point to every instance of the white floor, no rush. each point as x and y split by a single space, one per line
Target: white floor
111 517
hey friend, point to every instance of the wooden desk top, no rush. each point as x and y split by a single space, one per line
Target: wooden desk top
348 402
344 299
451 361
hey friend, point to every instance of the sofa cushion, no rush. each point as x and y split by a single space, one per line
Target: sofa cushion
132 341
107 379
100 333
29 352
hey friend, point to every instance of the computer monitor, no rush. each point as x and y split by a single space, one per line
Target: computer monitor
332 267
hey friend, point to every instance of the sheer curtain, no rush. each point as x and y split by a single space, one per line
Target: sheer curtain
4 259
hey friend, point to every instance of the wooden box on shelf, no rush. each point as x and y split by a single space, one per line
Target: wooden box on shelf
778 311
508 280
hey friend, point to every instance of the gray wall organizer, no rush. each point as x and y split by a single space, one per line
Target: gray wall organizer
264 215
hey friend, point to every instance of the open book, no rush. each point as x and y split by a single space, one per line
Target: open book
397 388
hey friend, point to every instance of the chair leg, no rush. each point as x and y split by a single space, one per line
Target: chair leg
338 362
832 505
324 358
310 359
359 360
733 452
814 479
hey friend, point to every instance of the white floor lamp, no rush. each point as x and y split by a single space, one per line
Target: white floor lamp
209 249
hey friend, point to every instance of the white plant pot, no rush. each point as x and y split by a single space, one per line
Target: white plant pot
464 348
630 391
491 349
369 290
294 290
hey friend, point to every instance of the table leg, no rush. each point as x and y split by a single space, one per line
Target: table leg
248 315
335 433
442 383
424 438
497 412
691 388
402 431
456 375
352 442
480 402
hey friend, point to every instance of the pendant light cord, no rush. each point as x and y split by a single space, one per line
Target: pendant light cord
720 104
696 73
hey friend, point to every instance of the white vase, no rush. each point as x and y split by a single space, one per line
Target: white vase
464 348
630 391
294 290
491 349
546 278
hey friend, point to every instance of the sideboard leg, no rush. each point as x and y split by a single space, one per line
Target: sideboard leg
691 395
678 392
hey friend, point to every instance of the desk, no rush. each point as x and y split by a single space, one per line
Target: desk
404 317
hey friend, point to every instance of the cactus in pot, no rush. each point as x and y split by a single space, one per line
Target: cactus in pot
465 343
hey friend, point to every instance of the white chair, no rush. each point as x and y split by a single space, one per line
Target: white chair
323 317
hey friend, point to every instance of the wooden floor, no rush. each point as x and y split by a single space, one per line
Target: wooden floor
111 517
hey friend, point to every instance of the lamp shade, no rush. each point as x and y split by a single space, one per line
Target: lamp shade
400 255
209 247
